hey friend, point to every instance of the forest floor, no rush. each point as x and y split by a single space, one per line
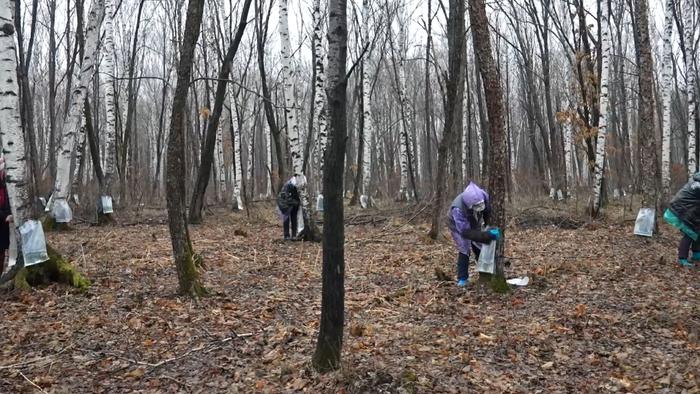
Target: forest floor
604 311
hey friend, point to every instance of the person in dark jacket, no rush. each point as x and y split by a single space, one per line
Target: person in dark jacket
684 214
288 202
468 217
5 216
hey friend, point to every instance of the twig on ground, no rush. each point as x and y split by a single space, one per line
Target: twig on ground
32 383
34 360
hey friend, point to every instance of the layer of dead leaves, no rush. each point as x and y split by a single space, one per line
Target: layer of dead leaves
604 311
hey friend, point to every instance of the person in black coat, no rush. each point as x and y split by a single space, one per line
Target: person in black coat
5 216
288 202
684 214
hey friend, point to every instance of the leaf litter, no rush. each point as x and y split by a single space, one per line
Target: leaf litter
604 311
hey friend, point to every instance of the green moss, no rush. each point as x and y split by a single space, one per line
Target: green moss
50 224
20 281
499 285
56 269
190 283
104 218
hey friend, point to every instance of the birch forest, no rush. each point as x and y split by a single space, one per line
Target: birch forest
206 196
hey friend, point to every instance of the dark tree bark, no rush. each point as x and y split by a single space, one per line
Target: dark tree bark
330 336
453 113
498 158
647 137
207 153
188 276
93 143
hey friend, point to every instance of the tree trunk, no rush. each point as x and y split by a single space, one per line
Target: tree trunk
330 336
498 157
319 116
207 153
110 138
188 276
603 118
689 30
62 183
237 162
647 137
455 97
666 79
288 78
368 125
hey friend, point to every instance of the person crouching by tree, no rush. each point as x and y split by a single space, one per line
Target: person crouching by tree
288 203
5 217
684 214
468 216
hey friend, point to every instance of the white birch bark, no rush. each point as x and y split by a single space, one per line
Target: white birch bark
268 147
603 122
73 120
220 163
319 115
404 144
568 157
236 142
79 151
689 31
288 78
249 163
368 131
666 76
110 118
11 134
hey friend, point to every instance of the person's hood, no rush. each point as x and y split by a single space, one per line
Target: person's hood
472 195
696 177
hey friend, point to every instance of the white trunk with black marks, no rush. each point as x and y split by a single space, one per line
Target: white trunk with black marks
568 157
79 151
288 78
689 28
236 142
220 162
75 115
368 131
404 143
268 170
110 118
666 78
249 164
11 134
603 122
320 118
479 148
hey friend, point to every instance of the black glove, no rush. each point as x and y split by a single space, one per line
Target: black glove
477 236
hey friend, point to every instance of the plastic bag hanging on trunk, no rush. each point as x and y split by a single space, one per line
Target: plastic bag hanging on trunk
644 225
106 202
33 243
487 258
61 211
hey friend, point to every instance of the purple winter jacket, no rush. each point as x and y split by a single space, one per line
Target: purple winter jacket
462 218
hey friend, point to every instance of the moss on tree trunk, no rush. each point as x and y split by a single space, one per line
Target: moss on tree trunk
56 269
50 224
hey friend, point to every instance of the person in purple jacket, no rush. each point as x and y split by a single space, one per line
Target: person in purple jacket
468 217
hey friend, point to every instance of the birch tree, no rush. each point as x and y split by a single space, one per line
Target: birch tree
666 79
689 31
72 123
368 130
236 144
319 100
603 119
288 78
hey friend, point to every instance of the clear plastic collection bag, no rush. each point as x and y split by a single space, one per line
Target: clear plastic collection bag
61 211
487 258
106 202
33 243
644 225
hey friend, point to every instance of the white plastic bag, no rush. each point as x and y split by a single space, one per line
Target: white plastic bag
364 201
644 225
61 211
106 202
487 258
523 281
300 221
12 252
33 243
319 203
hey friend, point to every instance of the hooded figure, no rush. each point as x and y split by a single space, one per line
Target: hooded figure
467 219
288 202
684 214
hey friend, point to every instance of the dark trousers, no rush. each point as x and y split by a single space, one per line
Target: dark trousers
463 263
291 217
686 245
